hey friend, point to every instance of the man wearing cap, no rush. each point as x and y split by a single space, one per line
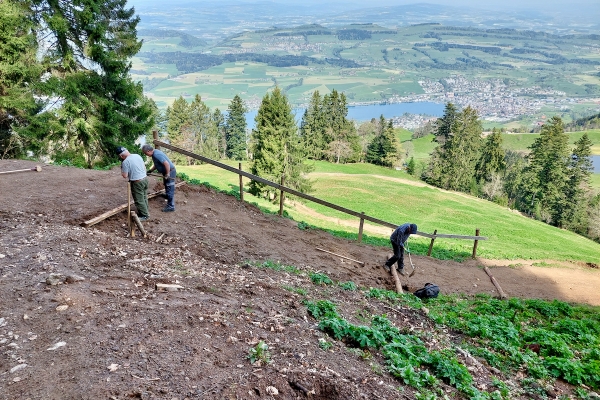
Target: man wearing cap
398 239
167 169
133 168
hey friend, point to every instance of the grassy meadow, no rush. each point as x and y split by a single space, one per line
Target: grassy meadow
397 197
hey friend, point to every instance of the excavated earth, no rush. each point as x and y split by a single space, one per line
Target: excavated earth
83 314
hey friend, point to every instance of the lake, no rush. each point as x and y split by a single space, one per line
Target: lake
596 162
366 112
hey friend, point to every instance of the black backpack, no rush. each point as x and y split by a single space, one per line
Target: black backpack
430 291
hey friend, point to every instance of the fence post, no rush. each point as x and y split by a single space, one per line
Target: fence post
360 227
431 244
281 197
475 244
155 136
241 184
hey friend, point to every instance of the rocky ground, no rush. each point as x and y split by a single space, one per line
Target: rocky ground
83 314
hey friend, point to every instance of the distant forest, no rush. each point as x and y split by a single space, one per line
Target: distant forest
193 62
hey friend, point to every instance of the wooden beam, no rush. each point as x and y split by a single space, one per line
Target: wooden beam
396 279
138 224
37 168
495 282
339 255
117 210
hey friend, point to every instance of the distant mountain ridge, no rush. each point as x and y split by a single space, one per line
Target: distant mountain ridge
208 21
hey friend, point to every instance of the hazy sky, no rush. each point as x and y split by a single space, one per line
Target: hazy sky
583 6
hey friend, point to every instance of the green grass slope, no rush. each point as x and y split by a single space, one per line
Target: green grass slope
396 197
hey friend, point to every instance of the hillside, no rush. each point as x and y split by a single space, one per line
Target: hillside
82 317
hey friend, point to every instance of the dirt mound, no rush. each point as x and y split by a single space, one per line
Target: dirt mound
82 317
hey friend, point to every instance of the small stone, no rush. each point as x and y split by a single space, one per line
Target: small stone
57 345
17 368
62 307
113 367
55 279
272 390
74 278
240 366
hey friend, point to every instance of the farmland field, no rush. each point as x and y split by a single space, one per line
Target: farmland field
547 74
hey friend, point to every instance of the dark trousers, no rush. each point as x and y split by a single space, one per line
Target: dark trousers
398 256
170 188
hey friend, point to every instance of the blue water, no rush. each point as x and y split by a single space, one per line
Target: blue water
365 113
596 162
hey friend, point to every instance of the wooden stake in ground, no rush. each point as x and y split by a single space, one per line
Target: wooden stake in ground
495 282
138 223
339 255
37 168
130 230
396 279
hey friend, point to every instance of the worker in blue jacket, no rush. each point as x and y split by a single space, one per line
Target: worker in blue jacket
162 164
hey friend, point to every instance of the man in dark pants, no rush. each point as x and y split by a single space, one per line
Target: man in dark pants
398 239
133 168
167 169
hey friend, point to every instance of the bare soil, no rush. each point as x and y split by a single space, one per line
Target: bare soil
81 316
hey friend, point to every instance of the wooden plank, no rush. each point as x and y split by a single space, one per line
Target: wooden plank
442 235
169 287
37 168
117 210
339 255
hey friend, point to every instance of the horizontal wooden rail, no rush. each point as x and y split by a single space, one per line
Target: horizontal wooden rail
256 178
117 210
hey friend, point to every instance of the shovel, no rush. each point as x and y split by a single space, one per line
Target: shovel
414 269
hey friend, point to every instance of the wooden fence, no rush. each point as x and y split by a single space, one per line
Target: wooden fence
283 189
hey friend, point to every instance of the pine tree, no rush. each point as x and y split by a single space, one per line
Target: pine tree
87 49
443 125
219 121
235 130
203 128
578 191
179 130
547 175
337 127
462 150
313 127
384 149
19 71
434 174
276 146
492 157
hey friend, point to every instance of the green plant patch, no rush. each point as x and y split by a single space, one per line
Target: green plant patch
320 279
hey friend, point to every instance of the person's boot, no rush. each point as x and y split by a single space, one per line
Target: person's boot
401 270
387 268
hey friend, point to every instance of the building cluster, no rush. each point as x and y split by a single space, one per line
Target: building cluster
494 99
